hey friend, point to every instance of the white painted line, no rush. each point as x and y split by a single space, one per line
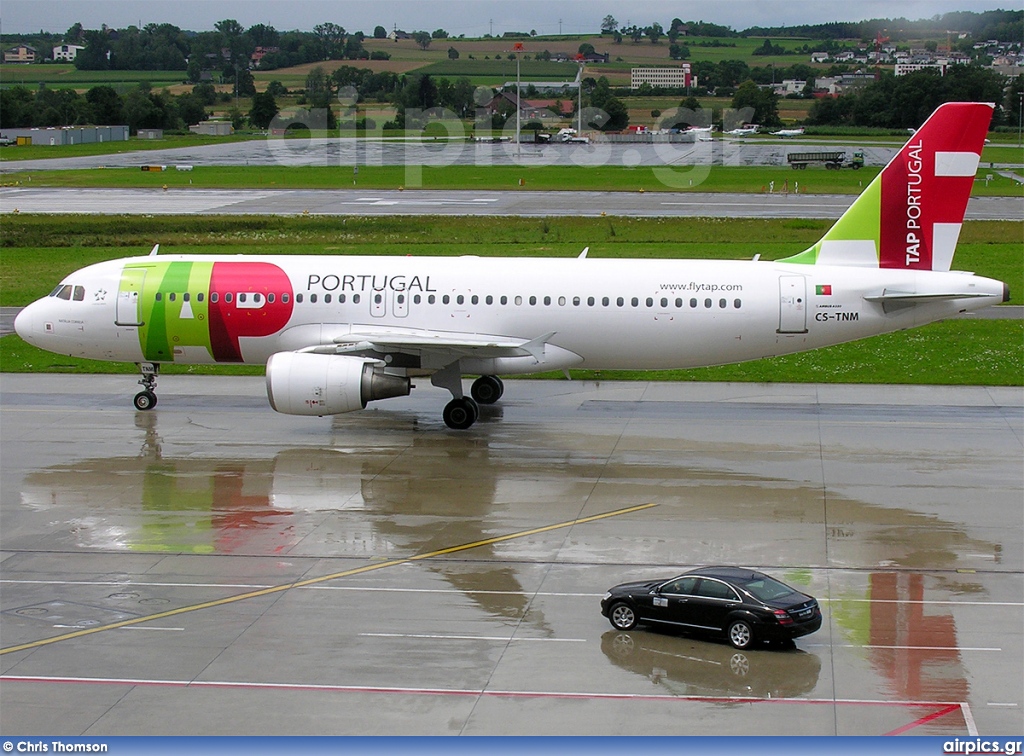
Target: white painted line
502 639
140 627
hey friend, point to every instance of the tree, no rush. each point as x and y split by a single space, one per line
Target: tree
618 115
106 105
332 38
422 39
453 54
264 108
609 24
439 34
654 32
379 32
764 102
586 49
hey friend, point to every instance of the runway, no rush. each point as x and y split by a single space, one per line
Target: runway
212 567
434 202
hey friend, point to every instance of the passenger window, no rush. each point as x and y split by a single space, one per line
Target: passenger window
256 298
679 303
683 585
416 299
575 301
519 300
605 301
172 296
377 298
504 300
722 303
214 297
241 297
650 302
693 303
707 303
445 299
489 300
284 298
620 301
298 299
533 300
400 299
715 589
737 303
185 297
590 301
430 299
270 298
228 297
159 296
355 299
312 298
200 297
327 298
547 300
460 299
341 299
475 300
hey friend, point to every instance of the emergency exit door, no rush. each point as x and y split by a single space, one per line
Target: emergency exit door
792 304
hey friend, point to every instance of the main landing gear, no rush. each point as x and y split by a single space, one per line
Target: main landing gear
146 399
462 411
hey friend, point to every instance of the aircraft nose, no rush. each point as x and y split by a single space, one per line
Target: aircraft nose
26 323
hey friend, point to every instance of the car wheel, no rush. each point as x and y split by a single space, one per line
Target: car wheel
622 617
740 634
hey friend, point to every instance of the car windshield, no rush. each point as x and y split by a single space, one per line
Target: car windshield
767 589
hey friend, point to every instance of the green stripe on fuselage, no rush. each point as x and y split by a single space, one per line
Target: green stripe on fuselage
174 320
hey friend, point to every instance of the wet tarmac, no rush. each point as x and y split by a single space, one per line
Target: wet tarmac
210 567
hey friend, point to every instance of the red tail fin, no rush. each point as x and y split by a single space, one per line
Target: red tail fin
925 188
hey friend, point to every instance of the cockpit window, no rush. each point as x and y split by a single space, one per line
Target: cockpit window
64 292
79 294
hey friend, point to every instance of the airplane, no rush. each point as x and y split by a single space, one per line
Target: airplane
337 332
789 132
744 130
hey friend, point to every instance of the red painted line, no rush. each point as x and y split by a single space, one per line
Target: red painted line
925 719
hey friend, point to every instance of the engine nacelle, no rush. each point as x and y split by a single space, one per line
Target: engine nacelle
325 384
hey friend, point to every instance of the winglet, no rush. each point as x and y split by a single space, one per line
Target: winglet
909 217
583 254
156 248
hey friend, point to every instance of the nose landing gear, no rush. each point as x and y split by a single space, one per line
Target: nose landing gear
146 399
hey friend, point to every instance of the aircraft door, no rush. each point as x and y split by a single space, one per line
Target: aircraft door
792 304
400 304
378 304
129 297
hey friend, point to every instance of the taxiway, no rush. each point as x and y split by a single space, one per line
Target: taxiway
211 567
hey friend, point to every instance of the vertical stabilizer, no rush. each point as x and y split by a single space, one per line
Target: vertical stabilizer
909 217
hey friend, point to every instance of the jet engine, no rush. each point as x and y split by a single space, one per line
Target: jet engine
301 383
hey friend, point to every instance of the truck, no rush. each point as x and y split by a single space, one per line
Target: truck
833 159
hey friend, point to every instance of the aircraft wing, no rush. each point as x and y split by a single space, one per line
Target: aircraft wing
433 343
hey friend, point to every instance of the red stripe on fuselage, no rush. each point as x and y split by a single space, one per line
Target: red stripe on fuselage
230 320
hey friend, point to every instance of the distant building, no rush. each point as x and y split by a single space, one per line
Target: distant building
20 54
259 52
675 77
902 69
67 135
213 128
66 52
397 35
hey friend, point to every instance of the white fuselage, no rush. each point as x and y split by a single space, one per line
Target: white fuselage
596 313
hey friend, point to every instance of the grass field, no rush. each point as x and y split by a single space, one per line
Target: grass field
38 251
814 180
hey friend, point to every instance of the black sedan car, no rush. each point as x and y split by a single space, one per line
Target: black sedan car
744 606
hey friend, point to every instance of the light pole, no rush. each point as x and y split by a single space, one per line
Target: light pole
517 48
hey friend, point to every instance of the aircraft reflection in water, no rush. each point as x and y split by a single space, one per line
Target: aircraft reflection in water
685 667
391 502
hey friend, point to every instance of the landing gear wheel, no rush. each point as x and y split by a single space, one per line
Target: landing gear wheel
740 634
487 389
459 414
145 400
622 617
